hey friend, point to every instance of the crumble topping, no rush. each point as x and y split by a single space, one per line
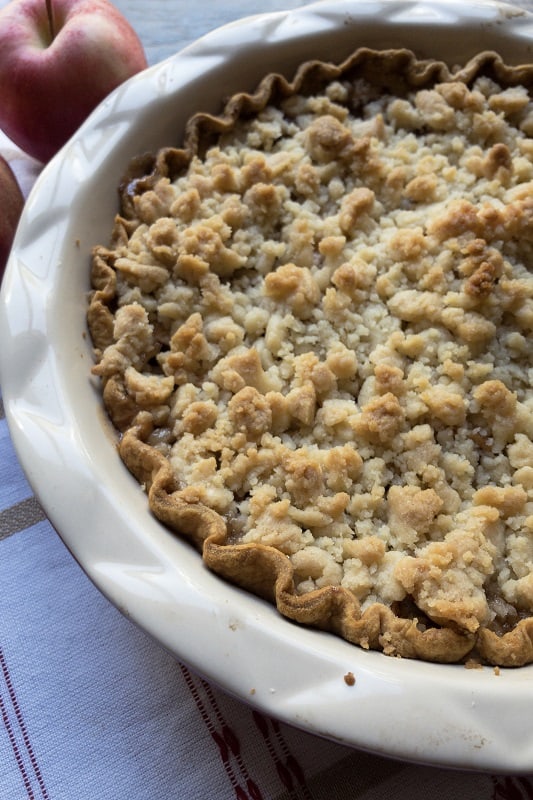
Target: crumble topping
323 323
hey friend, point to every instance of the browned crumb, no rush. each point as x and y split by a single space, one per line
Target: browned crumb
325 317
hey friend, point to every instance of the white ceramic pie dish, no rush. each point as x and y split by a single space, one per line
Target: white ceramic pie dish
428 713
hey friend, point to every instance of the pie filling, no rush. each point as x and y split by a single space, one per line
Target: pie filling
313 327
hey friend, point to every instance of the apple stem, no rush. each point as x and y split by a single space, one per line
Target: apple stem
50 13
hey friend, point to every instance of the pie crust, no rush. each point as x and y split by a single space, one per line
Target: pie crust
312 329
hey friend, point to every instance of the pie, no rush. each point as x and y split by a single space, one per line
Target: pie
312 330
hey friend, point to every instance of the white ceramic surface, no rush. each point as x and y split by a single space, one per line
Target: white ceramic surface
428 713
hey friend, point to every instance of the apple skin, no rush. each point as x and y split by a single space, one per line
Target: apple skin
11 205
49 86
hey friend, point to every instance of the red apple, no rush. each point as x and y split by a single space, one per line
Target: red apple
58 60
11 204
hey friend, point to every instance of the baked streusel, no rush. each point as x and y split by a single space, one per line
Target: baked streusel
313 329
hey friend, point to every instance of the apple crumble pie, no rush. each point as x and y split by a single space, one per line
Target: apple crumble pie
313 327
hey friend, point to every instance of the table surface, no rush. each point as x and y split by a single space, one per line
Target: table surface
91 707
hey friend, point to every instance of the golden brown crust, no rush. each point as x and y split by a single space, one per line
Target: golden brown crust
419 574
395 70
267 572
